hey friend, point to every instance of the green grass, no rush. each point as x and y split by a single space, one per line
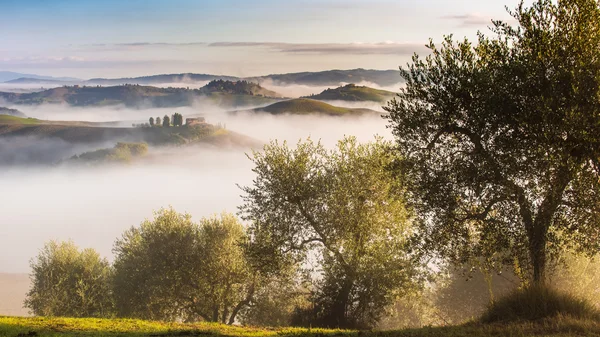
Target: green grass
559 326
41 326
6 119
309 106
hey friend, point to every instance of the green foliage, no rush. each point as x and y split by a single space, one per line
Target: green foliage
158 121
70 282
537 302
339 207
237 88
121 152
177 119
501 140
151 121
170 268
166 121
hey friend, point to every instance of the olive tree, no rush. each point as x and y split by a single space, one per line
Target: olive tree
501 140
336 210
170 268
67 281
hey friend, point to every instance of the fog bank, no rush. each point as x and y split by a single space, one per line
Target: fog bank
94 205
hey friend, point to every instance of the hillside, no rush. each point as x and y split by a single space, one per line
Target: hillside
82 134
354 93
382 78
95 327
163 78
301 106
237 88
335 77
11 112
224 93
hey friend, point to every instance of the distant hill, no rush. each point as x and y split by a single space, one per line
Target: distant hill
382 78
87 133
11 112
164 78
29 80
354 93
223 93
9 76
335 77
238 88
301 106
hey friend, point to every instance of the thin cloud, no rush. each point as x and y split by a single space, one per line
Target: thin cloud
470 19
382 48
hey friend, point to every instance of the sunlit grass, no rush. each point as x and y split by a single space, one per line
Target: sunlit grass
558 326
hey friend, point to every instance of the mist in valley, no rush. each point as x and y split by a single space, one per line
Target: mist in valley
93 205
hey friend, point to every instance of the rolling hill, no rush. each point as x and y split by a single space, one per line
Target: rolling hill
354 93
223 93
11 112
163 78
335 77
302 106
382 78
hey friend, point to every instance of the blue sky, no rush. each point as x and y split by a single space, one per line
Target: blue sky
91 38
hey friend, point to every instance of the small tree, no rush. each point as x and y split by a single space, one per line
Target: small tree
151 121
338 208
70 282
158 121
170 268
166 121
177 119
501 141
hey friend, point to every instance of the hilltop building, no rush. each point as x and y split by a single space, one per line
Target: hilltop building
195 121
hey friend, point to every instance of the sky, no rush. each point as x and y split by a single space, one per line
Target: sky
116 38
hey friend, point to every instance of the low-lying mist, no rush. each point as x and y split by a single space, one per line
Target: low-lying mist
94 205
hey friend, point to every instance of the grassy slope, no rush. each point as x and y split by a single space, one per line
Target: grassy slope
354 93
82 132
308 106
6 119
45 327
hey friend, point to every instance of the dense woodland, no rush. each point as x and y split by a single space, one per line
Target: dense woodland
486 198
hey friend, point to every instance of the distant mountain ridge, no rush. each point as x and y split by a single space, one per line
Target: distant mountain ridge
9 76
334 77
224 93
163 78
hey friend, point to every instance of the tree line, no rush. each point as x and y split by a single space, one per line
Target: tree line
494 165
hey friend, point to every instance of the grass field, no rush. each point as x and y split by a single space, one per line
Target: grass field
7 119
71 327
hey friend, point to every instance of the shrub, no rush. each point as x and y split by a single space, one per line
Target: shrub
539 302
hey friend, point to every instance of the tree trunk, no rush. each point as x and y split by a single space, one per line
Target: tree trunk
339 312
537 251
